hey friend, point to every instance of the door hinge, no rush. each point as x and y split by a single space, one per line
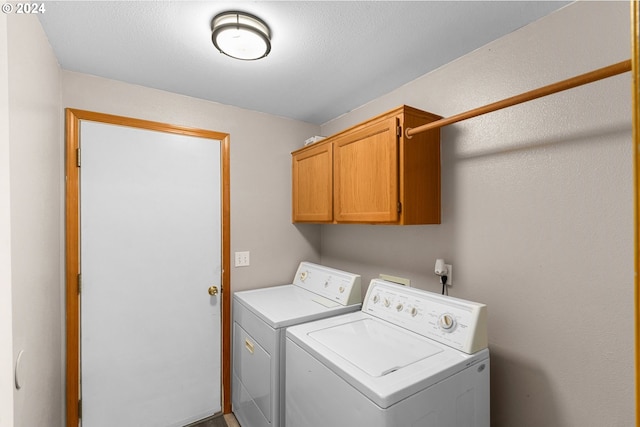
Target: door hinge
398 130
79 408
399 207
77 157
79 283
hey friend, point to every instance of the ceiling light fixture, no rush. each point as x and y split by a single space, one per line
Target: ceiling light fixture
241 36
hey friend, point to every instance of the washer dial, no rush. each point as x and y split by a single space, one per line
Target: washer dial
447 322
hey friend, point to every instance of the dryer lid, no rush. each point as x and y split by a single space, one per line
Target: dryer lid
377 348
286 305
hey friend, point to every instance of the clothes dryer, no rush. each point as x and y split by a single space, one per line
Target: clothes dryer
408 358
261 317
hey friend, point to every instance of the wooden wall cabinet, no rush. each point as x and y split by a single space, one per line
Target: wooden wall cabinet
312 179
371 173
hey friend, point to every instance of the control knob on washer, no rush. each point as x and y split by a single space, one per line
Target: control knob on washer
447 322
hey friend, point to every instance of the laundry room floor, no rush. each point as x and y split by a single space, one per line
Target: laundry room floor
227 420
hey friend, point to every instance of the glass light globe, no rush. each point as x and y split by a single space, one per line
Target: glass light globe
241 43
241 36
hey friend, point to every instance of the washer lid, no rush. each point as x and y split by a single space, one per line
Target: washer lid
404 361
375 347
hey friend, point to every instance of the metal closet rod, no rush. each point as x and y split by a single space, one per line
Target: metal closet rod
599 74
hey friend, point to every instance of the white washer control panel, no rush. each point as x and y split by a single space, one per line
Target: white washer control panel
451 321
339 286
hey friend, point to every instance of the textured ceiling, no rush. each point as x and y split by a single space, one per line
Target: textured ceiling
327 57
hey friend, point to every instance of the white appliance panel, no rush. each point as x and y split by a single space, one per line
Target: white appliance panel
252 361
458 323
286 305
245 408
316 387
358 341
388 389
334 285
260 320
427 366
254 401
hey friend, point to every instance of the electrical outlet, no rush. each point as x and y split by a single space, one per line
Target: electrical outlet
449 274
242 259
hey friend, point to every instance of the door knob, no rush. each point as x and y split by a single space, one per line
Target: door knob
213 290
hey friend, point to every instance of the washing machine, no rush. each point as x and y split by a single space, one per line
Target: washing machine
260 318
409 358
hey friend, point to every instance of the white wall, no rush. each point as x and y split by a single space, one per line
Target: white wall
260 169
35 156
537 216
6 333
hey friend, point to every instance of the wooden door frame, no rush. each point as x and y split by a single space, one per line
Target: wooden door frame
72 253
635 96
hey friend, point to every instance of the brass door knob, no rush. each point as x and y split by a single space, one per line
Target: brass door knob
213 290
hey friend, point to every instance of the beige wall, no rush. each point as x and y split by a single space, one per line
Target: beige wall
6 332
35 156
537 216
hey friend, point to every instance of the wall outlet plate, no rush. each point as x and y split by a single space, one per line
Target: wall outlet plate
449 274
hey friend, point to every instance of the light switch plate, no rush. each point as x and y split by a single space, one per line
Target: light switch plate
242 259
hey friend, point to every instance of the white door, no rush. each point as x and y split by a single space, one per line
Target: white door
150 247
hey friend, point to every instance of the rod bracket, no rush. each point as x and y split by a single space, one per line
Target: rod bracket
406 133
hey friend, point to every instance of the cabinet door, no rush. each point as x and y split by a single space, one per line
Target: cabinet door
312 179
366 174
